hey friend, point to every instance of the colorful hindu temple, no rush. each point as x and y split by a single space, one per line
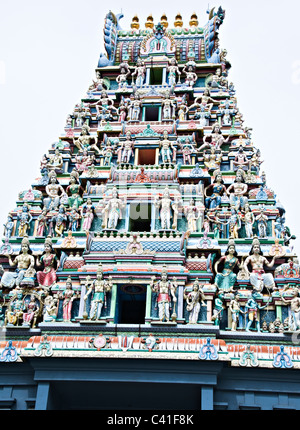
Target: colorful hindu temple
149 266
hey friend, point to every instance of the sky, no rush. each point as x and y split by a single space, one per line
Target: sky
48 55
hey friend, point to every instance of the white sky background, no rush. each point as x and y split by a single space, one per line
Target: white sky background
48 53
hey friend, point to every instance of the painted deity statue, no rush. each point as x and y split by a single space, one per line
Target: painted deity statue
25 219
218 188
166 293
54 191
258 278
252 311
206 100
86 141
188 149
165 204
56 162
73 190
226 279
125 152
237 190
173 71
112 212
139 73
241 160
31 311
168 150
99 288
216 138
294 304
134 108
47 277
87 213
8 227
168 108
104 107
194 301
68 296
235 309
192 214
15 309
212 159
190 75
249 220
25 265
122 78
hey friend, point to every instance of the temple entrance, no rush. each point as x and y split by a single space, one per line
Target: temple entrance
131 304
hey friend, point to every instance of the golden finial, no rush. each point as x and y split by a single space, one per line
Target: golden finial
178 21
194 20
135 23
149 23
164 20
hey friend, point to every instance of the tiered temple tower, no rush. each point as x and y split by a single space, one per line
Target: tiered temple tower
151 233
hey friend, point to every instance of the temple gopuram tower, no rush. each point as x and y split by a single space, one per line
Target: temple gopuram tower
149 266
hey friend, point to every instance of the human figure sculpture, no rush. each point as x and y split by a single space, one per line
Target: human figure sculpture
168 108
68 296
104 107
226 279
25 219
8 227
227 113
194 301
173 71
212 159
168 150
25 264
60 221
15 309
165 204
188 149
48 260
112 212
86 141
192 214
30 311
73 190
249 220
50 309
237 190
252 310
202 113
190 75
87 213
166 293
234 223
218 188
84 161
54 191
294 302
235 309
241 160
100 287
258 278
74 219
125 152
206 100
56 162
218 309
262 222
134 108
139 73
216 138
99 84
